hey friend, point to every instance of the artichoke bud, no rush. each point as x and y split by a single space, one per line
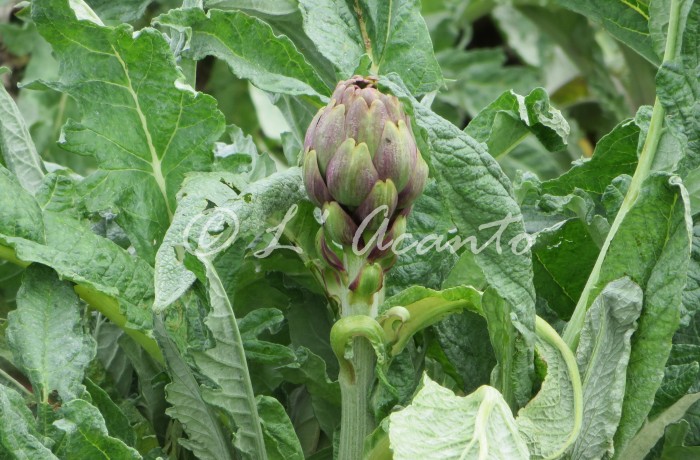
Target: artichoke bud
415 186
395 158
313 181
338 226
328 135
360 154
383 194
368 281
351 174
332 258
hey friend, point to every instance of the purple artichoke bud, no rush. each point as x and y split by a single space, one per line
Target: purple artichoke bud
351 174
354 149
383 194
415 186
339 226
395 158
313 181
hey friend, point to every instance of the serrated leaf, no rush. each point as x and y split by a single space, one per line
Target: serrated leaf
16 145
165 128
333 27
85 434
225 365
602 356
615 154
250 48
18 435
505 122
207 438
46 335
439 425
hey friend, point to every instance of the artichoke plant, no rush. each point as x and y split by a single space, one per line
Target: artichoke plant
362 165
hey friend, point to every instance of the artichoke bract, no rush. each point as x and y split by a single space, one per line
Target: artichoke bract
360 157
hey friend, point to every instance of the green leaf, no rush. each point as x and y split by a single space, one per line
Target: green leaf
465 341
551 421
678 381
165 128
654 429
602 355
85 434
206 437
46 335
439 425
647 258
333 27
250 48
512 375
678 88
271 7
246 213
117 423
401 43
225 366
18 435
561 254
505 122
625 20
280 439
16 145
615 154
674 443
122 11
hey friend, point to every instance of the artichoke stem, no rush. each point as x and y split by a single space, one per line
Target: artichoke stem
356 421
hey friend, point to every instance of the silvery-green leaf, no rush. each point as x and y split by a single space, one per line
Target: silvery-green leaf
333 27
85 434
18 434
602 355
16 144
439 425
46 335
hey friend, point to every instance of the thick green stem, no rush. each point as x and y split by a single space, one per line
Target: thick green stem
646 159
356 421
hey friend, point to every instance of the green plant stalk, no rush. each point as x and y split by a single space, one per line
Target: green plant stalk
545 332
105 304
356 419
646 159
356 340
